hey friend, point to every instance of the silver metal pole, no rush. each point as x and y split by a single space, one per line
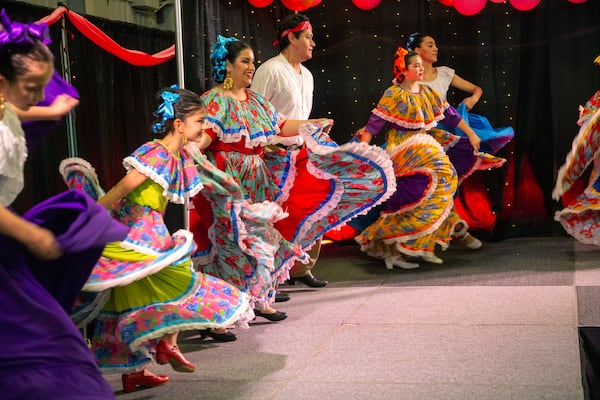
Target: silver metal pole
66 73
179 43
181 82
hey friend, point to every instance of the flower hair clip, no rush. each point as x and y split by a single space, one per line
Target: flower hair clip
19 34
165 110
399 64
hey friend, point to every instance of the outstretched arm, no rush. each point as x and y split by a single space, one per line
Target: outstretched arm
128 183
61 106
466 86
473 138
291 126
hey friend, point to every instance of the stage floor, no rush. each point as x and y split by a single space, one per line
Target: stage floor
497 323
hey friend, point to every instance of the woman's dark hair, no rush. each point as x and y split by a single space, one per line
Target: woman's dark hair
15 60
289 22
415 40
232 49
174 103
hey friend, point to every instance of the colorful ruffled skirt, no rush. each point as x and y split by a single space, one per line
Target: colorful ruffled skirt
465 162
415 218
581 218
492 139
136 297
288 199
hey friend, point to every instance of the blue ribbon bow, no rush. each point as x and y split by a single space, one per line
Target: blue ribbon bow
165 110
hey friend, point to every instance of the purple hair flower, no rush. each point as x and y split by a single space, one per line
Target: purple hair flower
19 34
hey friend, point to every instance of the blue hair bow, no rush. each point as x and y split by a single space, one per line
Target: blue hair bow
411 40
219 49
217 56
20 34
165 110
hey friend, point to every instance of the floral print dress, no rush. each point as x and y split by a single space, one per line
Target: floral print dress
295 195
581 218
146 285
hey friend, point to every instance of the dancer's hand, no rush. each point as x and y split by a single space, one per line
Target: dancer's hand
62 105
470 102
475 142
326 123
42 243
363 135
580 120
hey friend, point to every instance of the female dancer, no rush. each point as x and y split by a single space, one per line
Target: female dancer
440 79
319 187
149 288
418 216
581 218
46 255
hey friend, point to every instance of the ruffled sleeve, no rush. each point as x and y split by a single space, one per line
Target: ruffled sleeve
13 153
412 111
254 120
177 176
591 107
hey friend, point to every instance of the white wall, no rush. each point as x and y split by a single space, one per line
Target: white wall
139 12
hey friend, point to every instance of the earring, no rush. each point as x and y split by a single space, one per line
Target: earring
2 106
228 82
185 139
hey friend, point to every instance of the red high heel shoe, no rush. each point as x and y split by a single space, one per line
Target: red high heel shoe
166 353
132 381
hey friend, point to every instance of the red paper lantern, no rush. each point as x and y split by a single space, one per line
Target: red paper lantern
300 5
498 1
366 4
577 1
524 5
260 3
447 3
469 7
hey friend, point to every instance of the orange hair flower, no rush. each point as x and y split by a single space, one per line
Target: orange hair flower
399 64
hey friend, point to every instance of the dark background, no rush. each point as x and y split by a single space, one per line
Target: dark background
535 68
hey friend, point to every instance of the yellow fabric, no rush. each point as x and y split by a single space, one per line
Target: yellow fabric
116 252
149 194
419 110
165 285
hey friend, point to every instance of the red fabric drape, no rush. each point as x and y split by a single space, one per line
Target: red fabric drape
94 34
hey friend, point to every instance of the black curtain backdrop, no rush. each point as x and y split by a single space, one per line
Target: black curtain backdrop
535 68
115 111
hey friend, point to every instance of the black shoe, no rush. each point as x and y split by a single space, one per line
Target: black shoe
218 337
276 316
308 280
280 297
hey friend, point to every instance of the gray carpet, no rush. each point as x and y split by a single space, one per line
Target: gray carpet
497 323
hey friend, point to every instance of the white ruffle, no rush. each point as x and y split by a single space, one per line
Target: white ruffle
79 164
13 153
374 153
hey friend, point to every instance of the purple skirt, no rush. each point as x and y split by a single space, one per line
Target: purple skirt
45 356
